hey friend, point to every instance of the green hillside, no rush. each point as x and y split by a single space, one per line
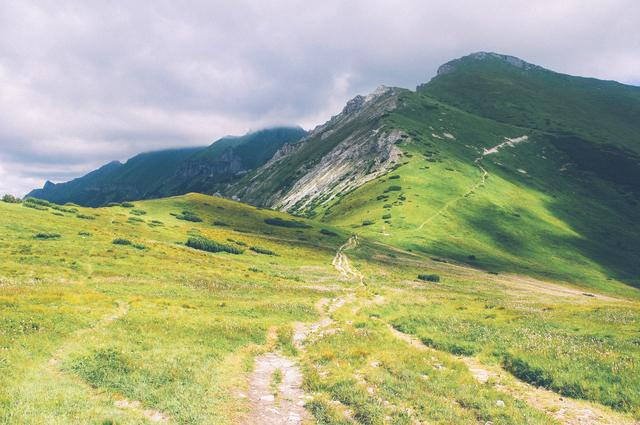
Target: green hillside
559 202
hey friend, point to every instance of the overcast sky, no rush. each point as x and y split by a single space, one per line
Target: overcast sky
86 82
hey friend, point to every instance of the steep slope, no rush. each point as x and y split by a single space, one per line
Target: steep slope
173 171
501 194
337 157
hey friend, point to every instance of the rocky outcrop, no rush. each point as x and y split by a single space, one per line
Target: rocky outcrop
337 157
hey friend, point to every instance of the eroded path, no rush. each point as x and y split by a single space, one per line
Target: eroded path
275 391
275 386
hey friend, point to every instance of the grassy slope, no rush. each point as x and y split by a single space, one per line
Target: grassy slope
70 347
547 222
602 111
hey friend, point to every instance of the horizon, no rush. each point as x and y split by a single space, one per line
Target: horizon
86 85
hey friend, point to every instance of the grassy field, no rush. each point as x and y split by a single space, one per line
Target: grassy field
147 329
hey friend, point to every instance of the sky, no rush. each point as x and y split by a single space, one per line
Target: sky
86 82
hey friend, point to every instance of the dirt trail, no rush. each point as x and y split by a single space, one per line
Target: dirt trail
342 263
483 177
565 410
283 403
276 403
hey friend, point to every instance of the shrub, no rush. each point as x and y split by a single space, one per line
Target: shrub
127 205
277 221
382 197
137 212
205 244
139 246
114 204
135 220
86 217
34 206
393 189
10 199
219 223
429 277
85 234
328 232
264 251
386 216
121 241
63 209
47 235
394 177
368 223
188 216
37 201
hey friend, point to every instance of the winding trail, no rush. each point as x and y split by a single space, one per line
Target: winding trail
275 386
565 410
483 177
342 263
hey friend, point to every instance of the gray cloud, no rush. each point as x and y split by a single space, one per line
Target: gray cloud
85 82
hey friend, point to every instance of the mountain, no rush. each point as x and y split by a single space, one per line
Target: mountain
495 162
173 171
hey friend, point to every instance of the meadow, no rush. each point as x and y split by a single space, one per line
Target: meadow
96 330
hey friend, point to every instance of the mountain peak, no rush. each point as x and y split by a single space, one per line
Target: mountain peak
485 57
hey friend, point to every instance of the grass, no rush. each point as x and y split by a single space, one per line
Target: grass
177 329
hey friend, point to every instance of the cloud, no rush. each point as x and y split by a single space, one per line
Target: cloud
84 83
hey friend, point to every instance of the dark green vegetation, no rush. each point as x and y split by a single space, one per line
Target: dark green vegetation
205 244
173 171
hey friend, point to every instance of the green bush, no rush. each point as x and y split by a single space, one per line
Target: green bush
137 212
219 223
114 204
394 177
10 199
127 205
205 244
85 234
37 201
277 221
86 217
393 189
264 251
429 277
121 241
139 246
188 216
328 232
368 223
47 236
386 216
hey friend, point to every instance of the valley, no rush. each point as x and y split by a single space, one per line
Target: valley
449 255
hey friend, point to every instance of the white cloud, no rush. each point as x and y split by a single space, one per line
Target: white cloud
87 82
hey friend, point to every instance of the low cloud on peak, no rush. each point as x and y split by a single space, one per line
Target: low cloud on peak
84 83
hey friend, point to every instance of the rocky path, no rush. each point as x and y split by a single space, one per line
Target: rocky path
342 263
275 392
